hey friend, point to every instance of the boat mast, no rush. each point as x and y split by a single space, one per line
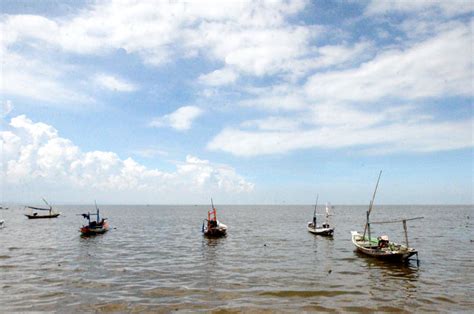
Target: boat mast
213 210
367 224
314 213
50 207
327 213
97 209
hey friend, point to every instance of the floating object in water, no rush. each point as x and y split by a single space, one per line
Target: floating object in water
211 227
325 229
36 215
381 247
97 226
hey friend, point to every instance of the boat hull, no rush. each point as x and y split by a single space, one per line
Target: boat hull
328 232
215 233
41 216
400 253
89 231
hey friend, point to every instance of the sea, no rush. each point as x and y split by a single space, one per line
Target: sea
155 259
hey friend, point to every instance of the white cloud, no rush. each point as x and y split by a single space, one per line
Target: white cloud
254 38
255 51
287 97
180 120
441 66
35 154
114 83
448 8
356 107
28 77
392 137
273 124
219 77
7 107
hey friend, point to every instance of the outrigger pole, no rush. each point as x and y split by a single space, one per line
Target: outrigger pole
367 224
404 221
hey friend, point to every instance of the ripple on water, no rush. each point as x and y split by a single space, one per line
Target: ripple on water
309 293
162 268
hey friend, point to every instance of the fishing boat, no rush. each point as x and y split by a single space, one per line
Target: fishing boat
381 247
35 212
325 229
211 227
93 227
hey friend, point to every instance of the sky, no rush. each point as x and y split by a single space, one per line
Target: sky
248 102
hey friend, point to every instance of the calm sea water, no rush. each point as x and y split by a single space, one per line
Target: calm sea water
155 258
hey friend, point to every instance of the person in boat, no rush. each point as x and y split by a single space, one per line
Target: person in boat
213 224
383 241
314 221
325 225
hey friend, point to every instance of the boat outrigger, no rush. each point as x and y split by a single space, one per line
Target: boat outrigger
35 215
381 247
93 227
211 227
325 229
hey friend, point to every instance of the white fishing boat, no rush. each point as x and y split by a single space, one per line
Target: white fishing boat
35 212
325 229
211 227
381 247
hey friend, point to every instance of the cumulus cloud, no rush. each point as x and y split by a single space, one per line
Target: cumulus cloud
34 153
114 83
180 120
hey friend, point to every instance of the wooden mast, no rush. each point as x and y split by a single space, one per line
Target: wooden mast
367 224
50 207
213 209
405 229
314 213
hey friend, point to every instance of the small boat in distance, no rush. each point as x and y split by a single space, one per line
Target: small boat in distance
325 229
93 227
211 227
2 223
35 215
381 247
